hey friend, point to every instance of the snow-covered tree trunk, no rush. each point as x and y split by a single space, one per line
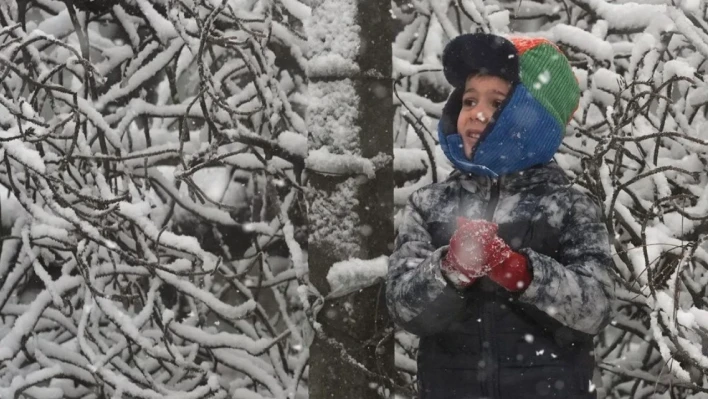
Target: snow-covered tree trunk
349 178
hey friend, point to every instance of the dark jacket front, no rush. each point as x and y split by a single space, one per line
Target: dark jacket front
485 342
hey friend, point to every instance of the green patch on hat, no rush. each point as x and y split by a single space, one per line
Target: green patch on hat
548 77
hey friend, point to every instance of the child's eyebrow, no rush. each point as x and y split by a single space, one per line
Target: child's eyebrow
494 91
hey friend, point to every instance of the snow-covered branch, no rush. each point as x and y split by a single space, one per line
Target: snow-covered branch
151 159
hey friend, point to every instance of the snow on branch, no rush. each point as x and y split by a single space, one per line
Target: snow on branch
348 276
322 161
147 150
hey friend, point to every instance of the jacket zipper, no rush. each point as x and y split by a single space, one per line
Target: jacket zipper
494 191
489 344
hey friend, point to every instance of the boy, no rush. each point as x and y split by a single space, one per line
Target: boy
502 268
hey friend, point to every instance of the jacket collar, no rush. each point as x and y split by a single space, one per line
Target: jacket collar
550 175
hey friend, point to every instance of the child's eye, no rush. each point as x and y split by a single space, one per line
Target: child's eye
468 102
497 103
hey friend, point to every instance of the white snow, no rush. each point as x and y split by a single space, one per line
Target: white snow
585 41
354 274
322 161
333 39
163 28
630 15
23 325
294 143
147 71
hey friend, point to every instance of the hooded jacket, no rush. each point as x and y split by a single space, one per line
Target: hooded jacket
485 342
529 126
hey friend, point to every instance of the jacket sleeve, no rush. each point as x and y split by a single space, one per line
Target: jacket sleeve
418 297
575 290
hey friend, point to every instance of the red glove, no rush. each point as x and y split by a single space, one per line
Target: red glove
474 250
513 274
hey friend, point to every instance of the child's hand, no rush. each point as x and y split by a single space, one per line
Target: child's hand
474 251
513 274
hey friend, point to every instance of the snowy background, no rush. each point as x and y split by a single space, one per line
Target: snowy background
153 170
637 144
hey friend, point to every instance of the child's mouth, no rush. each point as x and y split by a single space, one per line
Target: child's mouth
473 134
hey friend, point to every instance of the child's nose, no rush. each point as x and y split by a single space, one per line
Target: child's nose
480 113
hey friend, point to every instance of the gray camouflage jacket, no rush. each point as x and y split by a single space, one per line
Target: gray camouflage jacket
484 341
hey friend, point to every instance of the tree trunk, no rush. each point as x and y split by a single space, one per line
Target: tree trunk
350 216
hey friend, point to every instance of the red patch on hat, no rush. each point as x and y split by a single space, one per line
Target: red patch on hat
523 44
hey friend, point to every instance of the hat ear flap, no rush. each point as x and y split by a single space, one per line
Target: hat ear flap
451 111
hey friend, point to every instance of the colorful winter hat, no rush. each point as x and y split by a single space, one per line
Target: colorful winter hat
528 128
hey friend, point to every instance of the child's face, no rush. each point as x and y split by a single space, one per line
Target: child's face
483 95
